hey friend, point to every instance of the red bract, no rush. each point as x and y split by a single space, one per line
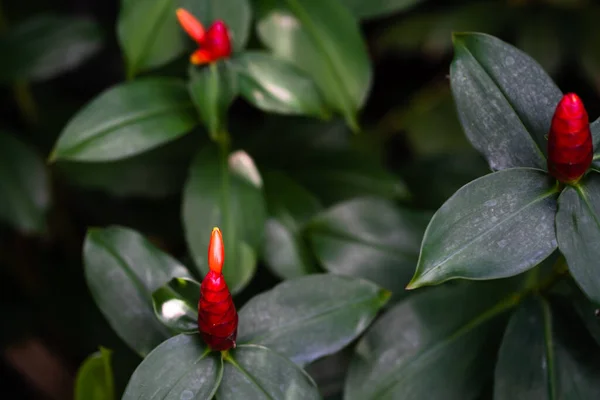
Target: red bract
217 316
213 44
570 148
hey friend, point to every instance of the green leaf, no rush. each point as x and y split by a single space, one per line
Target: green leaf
586 310
95 377
24 187
378 8
180 368
497 226
122 269
370 238
176 305
543 357
336 176
323 39
312 316
46 46
127 119
149 34
255 372
212 89
505 101
595 130
157 173
445 336
290 206
274 85
234 203
237 15
578 233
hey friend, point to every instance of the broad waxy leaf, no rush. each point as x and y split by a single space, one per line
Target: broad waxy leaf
496 226
233 203
256 372
445 336
237 15
578 233
212 89
274 85
290 206
122 269
312 316
370 238
595 129
378 8
176 305
543 356
505 101
127 119
586 310
46 46
182 367
157 173
149 34
95 378
323 39
24 188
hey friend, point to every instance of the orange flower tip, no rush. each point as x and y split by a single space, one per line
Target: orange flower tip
200 57
191 25
216 251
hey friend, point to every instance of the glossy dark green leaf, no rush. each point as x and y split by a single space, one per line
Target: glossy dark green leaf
95 377
241 217
438 344
378 8
237 15
312 316
588 311
595 129
258 373
126 120
212 89
157 173
274 85
180 368
323 39
122 269
149 34
505 101
176 305
496 226
289 206
543 357
24 188
335 176
578 232
46 46
370 238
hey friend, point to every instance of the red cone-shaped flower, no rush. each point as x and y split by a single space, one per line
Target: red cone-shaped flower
213 44
217 317
570 148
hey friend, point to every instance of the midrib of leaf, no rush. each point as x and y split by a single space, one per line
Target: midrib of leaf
297 9
110 384
481 235
191 369
549 349
112 126
303 321
147 44
233 362
504 94
388 383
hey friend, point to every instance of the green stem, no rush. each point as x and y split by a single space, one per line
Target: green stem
228 228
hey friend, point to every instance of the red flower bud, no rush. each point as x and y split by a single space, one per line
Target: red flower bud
217 316
570 148
213 44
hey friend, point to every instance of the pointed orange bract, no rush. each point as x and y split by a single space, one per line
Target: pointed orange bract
191 25
216 251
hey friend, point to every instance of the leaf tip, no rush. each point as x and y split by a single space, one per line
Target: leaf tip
52 157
